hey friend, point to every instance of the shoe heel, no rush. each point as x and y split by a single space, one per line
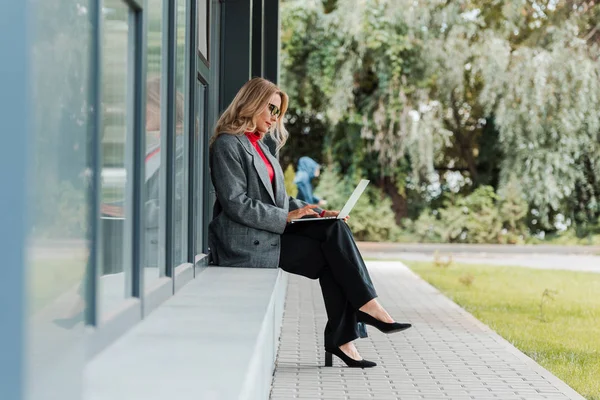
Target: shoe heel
362 330
328 359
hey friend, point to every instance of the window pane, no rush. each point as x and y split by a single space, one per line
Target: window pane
203 27
180 189
154 266
58 204
115 283
199 157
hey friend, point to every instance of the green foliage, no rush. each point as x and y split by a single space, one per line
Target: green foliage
567 238
371 219
63 212
59 86
548 122
307 134
501 93
351 65
289 175
473 219
481 217
513 211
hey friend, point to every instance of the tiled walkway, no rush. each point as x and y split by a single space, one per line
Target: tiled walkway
447 354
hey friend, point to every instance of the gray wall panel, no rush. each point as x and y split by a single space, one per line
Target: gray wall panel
14 114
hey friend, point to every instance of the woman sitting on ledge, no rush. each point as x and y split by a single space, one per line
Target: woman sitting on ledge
251 224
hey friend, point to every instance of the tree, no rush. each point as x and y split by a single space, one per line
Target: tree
412 93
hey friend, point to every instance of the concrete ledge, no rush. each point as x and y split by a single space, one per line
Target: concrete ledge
216 339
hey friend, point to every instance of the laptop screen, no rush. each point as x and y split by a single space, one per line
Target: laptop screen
353 198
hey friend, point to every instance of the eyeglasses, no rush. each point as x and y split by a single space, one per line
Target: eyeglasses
275 111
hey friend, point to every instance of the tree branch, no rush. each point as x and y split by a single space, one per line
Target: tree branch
461 169
463 147
592 32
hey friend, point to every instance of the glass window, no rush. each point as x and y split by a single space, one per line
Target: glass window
115 281
57 207
154 266
199 159
180 145
203 27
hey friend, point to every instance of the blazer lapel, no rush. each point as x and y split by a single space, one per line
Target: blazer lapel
259 166
279 181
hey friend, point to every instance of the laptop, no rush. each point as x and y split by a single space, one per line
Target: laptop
358 191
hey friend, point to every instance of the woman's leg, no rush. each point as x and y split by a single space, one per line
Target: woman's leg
342 326
302 255
342 256
326 250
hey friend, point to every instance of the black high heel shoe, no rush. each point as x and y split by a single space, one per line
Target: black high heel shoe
350 362
385 327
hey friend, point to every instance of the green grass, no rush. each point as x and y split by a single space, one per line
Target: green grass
565 339
112 194
52 278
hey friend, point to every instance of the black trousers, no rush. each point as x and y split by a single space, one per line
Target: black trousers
325 250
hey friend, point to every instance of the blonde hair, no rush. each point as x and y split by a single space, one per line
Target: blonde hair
250 101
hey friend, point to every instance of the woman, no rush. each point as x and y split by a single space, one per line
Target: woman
307 170
251 221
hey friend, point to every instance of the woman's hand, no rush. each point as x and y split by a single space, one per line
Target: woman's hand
328 213
303 212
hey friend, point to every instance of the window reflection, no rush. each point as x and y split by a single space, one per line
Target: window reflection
57 213
203 27
199 158
58 249
153 262
180 146
117 151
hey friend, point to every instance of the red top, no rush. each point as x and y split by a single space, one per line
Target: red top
254 138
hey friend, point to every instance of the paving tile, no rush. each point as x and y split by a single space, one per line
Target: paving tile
447 354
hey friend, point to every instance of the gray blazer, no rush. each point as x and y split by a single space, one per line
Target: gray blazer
250 214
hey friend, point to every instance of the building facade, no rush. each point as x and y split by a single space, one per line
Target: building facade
108 107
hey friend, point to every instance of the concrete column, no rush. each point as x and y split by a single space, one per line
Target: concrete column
236 50
258 29
272 40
